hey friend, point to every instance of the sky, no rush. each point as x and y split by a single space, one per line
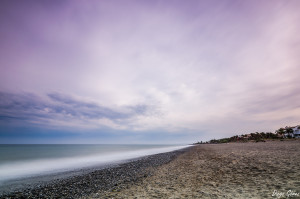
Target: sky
150 72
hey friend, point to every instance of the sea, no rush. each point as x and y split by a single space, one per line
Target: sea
25 161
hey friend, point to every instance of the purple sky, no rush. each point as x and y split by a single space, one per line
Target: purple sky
147 71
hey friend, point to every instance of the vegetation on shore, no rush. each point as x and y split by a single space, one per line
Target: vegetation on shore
280 134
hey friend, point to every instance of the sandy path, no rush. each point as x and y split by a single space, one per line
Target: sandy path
235 170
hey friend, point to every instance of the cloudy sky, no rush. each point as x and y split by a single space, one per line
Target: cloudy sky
147 71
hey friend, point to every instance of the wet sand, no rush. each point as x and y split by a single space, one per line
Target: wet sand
235 170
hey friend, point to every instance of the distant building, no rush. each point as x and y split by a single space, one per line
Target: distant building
294 132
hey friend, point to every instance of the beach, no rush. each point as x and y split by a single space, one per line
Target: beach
234 170
85 182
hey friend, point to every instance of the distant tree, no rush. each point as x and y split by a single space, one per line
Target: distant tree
213 141
233 138
290 132
280 131
270 135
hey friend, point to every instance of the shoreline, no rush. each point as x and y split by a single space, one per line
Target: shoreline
231 170
84 182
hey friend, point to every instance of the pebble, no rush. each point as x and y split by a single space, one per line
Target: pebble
102 180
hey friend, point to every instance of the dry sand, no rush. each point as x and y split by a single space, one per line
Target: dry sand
234 170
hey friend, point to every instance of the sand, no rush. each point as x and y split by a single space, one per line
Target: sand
234 170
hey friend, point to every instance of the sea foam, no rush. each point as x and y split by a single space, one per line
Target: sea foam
29 168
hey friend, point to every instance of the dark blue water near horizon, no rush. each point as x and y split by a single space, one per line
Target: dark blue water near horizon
17 152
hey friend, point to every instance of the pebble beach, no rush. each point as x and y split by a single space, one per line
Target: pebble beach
96 182
233 170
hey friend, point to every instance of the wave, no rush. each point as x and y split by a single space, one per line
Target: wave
21 169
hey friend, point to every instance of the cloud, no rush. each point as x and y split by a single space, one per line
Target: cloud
205 66
63 110
84 109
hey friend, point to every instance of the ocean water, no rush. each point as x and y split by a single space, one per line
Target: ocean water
21 161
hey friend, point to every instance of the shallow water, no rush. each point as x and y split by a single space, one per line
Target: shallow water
19 161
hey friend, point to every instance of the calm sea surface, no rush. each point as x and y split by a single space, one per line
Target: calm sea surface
19 161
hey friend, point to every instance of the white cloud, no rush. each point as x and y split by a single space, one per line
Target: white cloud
209 70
